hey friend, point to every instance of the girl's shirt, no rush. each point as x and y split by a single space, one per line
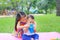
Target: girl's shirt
21 24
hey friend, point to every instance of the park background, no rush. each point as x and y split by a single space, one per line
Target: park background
44 11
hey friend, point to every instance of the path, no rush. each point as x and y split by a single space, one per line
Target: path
13 15
6 15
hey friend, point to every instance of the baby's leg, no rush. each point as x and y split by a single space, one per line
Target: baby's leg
26 37
35 37
20 32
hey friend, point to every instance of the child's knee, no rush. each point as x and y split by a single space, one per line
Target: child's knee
36 36
26 37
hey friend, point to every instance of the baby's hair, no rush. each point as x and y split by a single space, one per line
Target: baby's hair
30 16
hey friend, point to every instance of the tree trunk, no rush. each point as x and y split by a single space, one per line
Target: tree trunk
22 8
58 7
29 7
46 8
46 11
50 10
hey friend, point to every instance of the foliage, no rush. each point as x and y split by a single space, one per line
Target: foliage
25 5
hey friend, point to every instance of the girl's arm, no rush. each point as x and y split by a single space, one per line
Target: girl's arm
25 26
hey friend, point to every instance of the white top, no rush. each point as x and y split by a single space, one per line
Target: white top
29 33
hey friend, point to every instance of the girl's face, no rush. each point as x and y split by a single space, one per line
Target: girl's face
23 18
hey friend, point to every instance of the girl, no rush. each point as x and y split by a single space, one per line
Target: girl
31 29
19 24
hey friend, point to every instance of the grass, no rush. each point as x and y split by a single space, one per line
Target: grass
45 23
48 23
7 24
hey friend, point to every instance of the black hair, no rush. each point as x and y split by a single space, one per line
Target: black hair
18 17
31 16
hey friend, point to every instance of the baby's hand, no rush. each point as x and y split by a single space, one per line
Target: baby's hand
25 30
26 26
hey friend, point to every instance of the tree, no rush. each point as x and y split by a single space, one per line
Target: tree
58 7
51 5
42 5
46 4
25 5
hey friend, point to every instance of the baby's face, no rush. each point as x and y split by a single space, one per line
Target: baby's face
30 19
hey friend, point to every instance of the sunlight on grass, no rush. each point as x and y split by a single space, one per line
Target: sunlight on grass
45 23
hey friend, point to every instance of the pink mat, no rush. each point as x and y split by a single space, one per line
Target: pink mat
42 36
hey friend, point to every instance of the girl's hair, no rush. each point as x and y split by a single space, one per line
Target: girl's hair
18 17
30 16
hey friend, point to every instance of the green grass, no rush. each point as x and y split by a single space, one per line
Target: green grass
45 23
7 24
48 23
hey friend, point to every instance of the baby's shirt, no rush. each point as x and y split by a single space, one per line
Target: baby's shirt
30 30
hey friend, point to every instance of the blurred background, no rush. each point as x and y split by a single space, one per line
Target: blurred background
28 6
44 12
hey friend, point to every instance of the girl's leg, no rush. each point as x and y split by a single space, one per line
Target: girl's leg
26 37
35 37
20 33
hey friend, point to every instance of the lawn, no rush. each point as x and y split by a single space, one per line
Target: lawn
45 23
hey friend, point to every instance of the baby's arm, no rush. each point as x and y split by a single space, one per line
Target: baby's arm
26 27
34 26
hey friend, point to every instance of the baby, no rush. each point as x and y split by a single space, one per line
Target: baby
30 32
